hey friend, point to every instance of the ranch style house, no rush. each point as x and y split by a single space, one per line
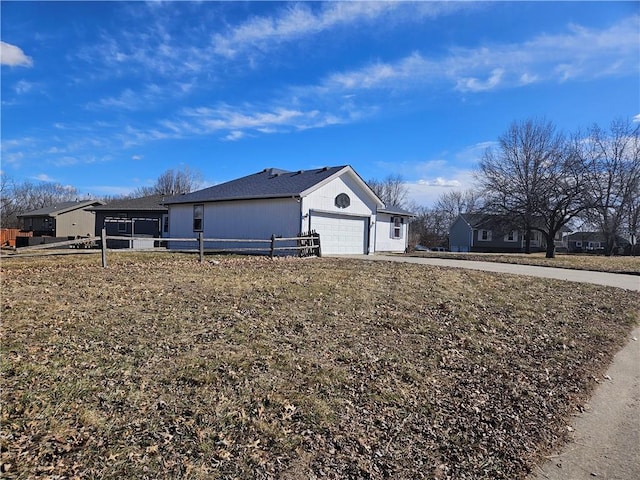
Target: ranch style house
332 201
478 232
59 222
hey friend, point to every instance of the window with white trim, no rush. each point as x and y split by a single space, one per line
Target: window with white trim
484 235
396 231
512 236
198 217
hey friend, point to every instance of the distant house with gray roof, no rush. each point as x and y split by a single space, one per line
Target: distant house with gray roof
65 219
143 217
480 232
333 201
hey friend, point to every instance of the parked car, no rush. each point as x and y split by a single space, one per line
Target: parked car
439 249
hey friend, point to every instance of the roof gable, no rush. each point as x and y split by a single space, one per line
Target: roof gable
268 183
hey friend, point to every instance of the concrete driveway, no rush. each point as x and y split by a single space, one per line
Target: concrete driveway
606 437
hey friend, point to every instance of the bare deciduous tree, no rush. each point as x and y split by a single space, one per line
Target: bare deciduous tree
22 197
172 182
612 160
534 179
392 190
453 203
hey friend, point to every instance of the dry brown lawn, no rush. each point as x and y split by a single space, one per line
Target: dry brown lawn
159 367
598 263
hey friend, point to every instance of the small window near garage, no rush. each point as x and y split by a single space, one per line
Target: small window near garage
397 227
165 223
511 236
484 235
198 215
342 201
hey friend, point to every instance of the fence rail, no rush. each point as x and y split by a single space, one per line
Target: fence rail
307 244
84 241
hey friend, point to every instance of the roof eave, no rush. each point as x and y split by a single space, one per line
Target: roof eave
233 199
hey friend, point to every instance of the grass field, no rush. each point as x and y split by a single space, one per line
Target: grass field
159 367
598 263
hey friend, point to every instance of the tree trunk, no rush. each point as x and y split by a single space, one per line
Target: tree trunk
527 241
551 247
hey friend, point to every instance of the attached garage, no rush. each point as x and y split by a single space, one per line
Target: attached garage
341 234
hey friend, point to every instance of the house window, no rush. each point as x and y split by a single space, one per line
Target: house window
484 235
342 201
165 223
511 236
198 215
397 227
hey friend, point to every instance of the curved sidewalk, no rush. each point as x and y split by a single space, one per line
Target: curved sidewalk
628 282
606 437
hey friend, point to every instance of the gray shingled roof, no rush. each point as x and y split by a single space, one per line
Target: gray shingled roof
269 183
58 208
152 203
395 210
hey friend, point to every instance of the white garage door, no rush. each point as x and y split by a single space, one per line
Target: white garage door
341 234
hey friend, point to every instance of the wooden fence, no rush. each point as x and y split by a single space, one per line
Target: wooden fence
8 236
306 244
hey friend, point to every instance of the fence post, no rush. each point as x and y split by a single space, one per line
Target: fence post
317 237
104 247
201 246
273 244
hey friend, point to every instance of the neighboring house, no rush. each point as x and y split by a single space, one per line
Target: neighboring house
63 220
475 232
145 217
593 242
333 201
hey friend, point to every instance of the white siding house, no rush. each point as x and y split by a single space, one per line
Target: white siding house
333 201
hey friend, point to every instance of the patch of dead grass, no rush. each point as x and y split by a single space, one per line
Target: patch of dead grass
159 367
598 263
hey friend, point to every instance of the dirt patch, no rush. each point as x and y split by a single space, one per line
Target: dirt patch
250 368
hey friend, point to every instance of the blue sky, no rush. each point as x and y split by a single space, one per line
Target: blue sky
105 96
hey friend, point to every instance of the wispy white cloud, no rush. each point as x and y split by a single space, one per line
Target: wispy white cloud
238 120
23 86
13 56
577 54
43 177
473 84
426 191
636 118
301 20
440 182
